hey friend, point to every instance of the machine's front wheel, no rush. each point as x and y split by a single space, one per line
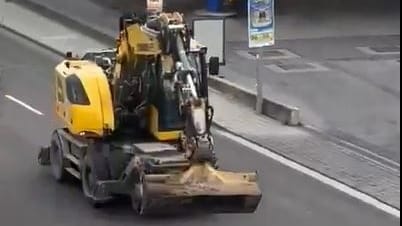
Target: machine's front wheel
93 169
57 161
138 197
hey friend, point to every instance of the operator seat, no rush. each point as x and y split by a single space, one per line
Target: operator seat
154 25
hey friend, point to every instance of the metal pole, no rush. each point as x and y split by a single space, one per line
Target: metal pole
260 99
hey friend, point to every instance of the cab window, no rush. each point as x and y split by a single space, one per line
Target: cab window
60 92
75 91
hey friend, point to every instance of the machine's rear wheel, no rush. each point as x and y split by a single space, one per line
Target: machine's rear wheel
94 169
57 161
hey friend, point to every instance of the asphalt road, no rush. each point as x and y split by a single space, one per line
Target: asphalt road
30 196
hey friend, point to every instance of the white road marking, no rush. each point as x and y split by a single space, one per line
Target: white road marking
371 51
23 104
316 175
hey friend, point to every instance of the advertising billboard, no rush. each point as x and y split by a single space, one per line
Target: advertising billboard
210 32
261 23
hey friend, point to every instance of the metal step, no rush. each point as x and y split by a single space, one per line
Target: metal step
74 172
73 159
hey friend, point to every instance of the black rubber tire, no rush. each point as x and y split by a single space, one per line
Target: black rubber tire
138 197
57 160
136 201
94 168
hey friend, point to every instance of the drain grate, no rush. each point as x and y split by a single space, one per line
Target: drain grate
380 50
269 53
274 54
297 67
386 49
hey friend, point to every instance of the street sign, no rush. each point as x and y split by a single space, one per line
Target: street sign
155 6
261 33
261 23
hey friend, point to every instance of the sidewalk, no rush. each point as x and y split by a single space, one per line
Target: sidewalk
340 89
336 161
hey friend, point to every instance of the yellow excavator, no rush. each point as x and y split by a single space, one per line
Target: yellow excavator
137 122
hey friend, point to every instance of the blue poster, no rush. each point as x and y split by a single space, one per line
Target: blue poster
261 24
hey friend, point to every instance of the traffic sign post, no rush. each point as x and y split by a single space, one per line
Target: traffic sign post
259 83
261 33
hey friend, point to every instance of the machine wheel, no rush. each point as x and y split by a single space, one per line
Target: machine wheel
94 169
57 160
137 197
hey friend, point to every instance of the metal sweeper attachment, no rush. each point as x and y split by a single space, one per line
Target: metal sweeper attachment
200 189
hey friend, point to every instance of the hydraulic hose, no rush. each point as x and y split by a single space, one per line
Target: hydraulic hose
182 54
186 66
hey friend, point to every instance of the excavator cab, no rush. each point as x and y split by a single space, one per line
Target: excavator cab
166 107
150 54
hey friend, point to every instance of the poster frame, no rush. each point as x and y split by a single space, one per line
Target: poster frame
222 61
250 32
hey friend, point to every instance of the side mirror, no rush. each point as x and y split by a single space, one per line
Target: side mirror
98 60
103 62
214 65
106 61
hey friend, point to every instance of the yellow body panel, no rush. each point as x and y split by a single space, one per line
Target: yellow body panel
81 119
154 127
135 43
141 42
